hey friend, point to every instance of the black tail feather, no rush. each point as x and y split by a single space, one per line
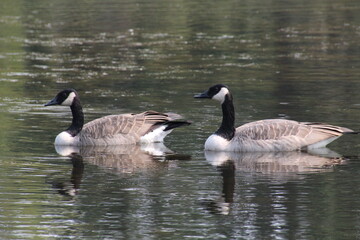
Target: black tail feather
358 132
174 124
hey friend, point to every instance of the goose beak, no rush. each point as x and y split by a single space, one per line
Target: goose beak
52 102
202 95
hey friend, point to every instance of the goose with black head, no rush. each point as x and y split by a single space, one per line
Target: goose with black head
265 135
146 127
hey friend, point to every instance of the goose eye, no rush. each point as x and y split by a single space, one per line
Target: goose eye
215 90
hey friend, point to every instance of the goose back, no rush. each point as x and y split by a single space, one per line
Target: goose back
123 128
284 135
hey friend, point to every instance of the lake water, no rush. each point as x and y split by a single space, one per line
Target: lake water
281 59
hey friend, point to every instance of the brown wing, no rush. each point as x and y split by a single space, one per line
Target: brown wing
281 129
271 129
124 124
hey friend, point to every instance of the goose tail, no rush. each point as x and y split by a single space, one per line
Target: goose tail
331 129
175 124
160 130
353 132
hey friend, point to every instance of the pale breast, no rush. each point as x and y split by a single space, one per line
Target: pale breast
64 138
216 143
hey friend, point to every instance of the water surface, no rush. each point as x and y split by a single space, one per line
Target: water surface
295 60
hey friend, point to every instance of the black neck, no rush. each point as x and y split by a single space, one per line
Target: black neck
227 129
78 118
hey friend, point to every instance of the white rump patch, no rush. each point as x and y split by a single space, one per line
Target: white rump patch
322 144
69 100
64 138
156 135
220 96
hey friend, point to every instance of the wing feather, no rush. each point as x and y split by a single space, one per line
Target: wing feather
286 134
123 124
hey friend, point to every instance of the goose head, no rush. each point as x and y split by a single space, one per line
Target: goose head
64 98
217 92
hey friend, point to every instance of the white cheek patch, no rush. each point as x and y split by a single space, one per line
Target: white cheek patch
220 96
69 100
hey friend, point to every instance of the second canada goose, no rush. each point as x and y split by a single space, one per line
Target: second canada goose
119 129
265 135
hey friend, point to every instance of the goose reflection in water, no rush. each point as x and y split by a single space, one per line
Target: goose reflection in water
127 159
279 165
70 188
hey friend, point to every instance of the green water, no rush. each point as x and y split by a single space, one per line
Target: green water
289 59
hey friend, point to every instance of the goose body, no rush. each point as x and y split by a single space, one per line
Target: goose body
265 135
146 127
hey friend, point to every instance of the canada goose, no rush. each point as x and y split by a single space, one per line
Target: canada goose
149 126
265 135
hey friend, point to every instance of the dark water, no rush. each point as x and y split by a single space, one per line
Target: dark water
290 59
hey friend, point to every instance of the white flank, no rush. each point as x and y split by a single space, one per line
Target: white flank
156 135
68 101
216 143
64 138
220 96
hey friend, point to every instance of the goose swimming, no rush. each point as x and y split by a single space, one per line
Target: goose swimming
146 127
265 135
